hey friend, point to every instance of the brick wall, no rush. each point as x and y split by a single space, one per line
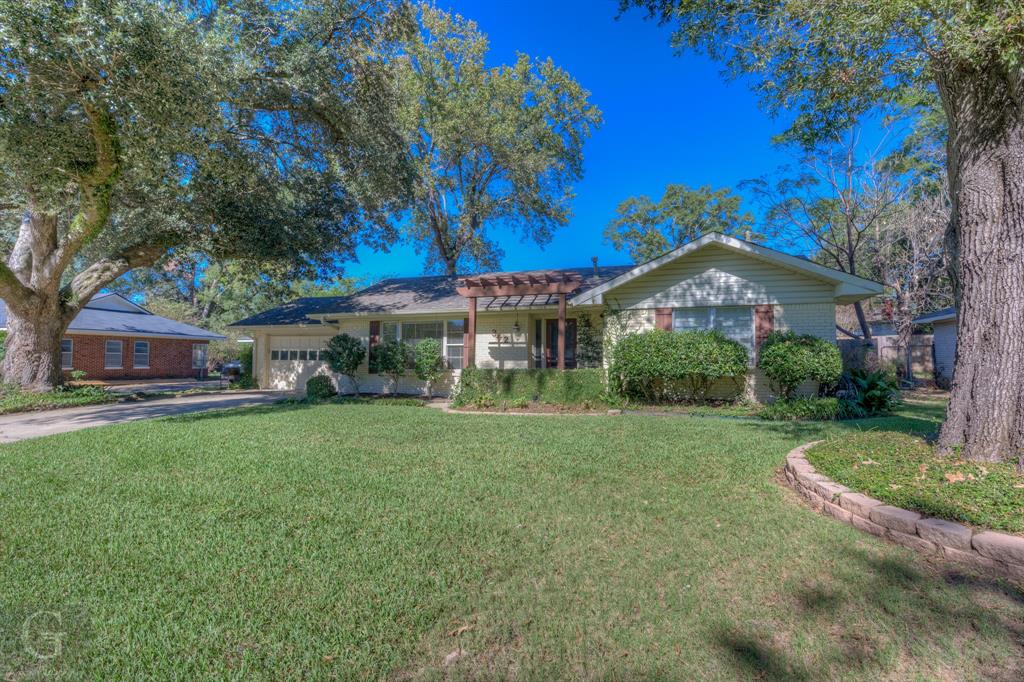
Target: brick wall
168 358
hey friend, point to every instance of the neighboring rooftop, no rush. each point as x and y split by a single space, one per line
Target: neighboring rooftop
116 315
937 316
428 294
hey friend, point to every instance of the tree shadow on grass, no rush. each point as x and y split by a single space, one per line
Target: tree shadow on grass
275 408
903 605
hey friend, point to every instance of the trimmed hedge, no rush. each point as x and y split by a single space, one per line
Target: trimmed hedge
521 386
789 359
320 387
660 365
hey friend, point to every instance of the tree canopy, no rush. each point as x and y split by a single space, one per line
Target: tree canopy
486 146
646 229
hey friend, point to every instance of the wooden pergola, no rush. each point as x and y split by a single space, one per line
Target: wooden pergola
537 283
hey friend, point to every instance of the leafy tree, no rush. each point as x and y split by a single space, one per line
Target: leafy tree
487 146
345 354
428 363
647 229
835 62
836 200
128 130
391 359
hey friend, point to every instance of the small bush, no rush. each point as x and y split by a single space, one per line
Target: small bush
803 409
660 366
789 359
391 359
345 354
428 363
874 393
320 388
495 386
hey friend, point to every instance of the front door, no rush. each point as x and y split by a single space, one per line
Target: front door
551 343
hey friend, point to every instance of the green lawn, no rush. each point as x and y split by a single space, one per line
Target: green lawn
354 541
13 399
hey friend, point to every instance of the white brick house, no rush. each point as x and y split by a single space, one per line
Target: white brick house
519 320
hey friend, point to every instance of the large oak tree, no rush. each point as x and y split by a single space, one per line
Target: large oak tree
487 146
834 62
129 130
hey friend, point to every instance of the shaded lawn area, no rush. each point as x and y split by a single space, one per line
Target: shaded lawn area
360 541
13 399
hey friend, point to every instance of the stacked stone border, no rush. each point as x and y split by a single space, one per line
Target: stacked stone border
984 549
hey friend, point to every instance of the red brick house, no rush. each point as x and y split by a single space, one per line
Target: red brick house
113 338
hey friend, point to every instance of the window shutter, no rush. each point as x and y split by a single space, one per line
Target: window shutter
663 318
374 340
764 323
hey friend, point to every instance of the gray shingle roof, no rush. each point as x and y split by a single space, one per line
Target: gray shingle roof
937 316
117 320
414 295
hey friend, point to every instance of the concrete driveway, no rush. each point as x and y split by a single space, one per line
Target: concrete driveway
15 427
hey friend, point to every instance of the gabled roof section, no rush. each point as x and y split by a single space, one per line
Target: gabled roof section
415 295
943 315
849 288
115 315
115 303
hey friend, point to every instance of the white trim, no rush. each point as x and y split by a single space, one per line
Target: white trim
143 335
849 288
937 316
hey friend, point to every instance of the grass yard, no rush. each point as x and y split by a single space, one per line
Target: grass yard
13 399
904 471
367 542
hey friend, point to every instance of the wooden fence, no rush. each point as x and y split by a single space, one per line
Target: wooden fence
884 352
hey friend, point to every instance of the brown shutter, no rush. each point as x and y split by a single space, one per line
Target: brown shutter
374 340
764 323
663 318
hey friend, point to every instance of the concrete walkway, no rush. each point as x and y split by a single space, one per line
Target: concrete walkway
15 427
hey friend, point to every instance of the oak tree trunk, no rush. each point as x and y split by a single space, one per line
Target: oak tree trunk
985 108
32 349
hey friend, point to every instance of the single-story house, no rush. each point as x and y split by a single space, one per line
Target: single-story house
943 324
529 319
114 338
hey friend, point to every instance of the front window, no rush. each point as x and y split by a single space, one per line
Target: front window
66 354
140 355
456 343
736 322
199 356
112 355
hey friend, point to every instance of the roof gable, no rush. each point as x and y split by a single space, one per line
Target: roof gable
847 288
115 303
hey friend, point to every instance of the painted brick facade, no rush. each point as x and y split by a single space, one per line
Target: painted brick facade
168 358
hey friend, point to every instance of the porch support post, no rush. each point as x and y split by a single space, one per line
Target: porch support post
470 349
561 331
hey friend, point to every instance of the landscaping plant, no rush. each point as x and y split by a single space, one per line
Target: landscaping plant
320 388
428 363
391 359
661 366
345 354
803 409
789 359
874 392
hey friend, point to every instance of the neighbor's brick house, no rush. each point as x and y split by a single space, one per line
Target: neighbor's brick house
113 338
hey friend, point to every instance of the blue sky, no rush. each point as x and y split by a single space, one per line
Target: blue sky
667 119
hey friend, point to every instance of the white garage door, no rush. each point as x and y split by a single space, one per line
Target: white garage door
293 360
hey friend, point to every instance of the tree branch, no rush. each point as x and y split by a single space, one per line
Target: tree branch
87 283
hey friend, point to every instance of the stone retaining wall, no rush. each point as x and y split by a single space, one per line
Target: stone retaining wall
937 537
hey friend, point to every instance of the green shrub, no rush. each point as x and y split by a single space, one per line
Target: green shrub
345 354
659 365
789 359
569 387
391 359
428 363
388 402
803 409
320 388
875 392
